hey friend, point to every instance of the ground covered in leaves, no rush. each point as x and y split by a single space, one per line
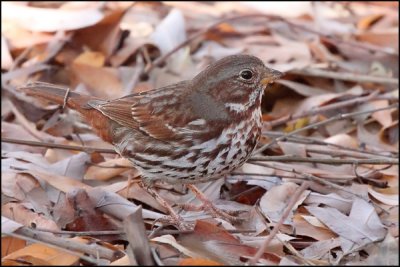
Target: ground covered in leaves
322 188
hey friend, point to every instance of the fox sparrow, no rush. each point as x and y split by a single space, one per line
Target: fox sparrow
189 132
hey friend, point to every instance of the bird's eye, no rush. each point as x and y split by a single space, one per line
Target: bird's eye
246 74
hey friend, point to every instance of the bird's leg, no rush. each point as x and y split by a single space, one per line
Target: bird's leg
208 206
173 217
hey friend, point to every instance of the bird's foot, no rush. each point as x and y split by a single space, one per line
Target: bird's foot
176 221
173 218
228 215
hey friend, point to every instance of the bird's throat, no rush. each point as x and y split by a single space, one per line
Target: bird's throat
250 102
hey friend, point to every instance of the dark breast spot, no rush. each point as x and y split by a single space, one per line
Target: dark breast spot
226 168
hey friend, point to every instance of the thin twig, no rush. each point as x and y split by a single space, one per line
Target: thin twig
346 76
254 176
285 214
24 71
318 124
65 98
321 180
365 46
162 59
290 158
122 232
319 110
310 140
86 149
345 179
334 152
325 182
134 80
295 252
21 57
285 158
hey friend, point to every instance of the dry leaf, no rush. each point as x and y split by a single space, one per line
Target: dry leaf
390 134
109 169
103 36
275 201
389 198
101 82
362 226
94 59
198 262
39 254
49 20
305 228
6 58
10 245
320 249
216 244
27 217
385 38
332 200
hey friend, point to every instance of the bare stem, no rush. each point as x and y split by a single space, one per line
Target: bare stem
286 213
346 76
310 140
86 149
122 232
269 17
319 110
318 124
290 158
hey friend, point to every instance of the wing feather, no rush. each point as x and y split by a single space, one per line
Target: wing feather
153 112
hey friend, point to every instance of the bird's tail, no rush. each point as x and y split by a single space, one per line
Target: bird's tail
57 94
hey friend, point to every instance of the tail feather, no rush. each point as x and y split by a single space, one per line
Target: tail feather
56 94
79 102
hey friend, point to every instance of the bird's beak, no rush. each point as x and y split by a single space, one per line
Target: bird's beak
271 76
